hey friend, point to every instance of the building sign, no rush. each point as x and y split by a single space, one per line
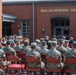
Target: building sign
57 10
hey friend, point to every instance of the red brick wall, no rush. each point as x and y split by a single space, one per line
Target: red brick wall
42 20
0 18
22 12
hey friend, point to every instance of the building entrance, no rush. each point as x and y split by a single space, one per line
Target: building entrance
6 29
60 26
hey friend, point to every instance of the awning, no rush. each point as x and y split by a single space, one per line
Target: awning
8 18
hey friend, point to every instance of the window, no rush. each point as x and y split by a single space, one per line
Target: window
6 29
66 31
61 22
57 22
26 29
60 26
67 22
58 31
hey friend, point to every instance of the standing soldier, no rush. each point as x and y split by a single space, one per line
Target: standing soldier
8 48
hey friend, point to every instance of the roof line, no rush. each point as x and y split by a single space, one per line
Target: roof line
30 1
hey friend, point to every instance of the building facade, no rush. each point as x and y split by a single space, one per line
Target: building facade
1 18
40 18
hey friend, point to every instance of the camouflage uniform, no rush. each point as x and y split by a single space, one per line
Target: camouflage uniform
36 54
54 53
44 47
54 39
44 50
26 49
61 48
68 48
9 49
66 45
38 42
3 56
72 54
18 47
38 48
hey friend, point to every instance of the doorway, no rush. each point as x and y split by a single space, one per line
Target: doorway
6 29
60 26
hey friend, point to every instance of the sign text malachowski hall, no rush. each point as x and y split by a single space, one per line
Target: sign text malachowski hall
57 10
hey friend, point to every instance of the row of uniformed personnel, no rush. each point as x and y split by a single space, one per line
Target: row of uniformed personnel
56 48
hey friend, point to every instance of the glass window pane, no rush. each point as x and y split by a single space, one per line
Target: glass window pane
24 29
67 23
28 35
62 22
28 23
6 28
4 32
66 31
28 29
58 31
24 23
8 32
57 23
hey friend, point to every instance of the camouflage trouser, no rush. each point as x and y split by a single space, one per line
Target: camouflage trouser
54 66
71 66
23 60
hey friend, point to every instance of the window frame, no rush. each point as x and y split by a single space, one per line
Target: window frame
26 32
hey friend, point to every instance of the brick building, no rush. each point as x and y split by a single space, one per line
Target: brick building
0 18
39 18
